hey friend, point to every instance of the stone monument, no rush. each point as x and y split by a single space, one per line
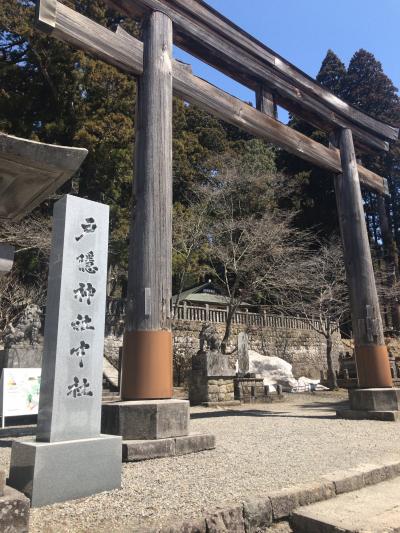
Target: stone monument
70 458
243 353
212 375
248 387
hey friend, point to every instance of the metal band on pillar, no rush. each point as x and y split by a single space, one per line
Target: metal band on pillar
147 351
370 351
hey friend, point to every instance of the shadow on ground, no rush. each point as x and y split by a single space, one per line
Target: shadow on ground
263 413
6 443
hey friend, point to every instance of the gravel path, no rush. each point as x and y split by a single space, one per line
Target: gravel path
259 449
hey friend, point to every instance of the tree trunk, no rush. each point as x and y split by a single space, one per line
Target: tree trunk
228 328
332 378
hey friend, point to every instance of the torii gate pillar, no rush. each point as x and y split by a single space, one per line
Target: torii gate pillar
147 350
375 398
370 351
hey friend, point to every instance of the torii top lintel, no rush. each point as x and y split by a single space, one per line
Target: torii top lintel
208 35
126 53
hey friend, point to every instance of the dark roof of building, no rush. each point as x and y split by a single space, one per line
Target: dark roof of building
207 293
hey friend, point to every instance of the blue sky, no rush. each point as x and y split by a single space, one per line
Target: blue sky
303 30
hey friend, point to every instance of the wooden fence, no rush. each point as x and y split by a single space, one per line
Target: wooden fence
246 318
116 311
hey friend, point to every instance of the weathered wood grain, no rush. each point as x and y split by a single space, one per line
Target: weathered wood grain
126 53
150 248
242 115
373 368
265 101
84 34
366 317
208 35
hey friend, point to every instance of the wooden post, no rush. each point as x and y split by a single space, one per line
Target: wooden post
371 353
147 359
265 101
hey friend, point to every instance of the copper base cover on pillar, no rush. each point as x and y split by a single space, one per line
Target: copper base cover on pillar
147 365
373 367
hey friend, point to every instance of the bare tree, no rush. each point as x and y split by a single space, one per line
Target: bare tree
182 360
189 240
33 232
15 296
322 297
252 253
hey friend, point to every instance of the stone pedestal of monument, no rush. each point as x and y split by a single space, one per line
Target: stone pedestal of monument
50 472
373 404
152 429
70 458
212 379
249 389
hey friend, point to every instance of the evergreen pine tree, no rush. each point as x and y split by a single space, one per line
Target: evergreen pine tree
368 88
332 73
313 194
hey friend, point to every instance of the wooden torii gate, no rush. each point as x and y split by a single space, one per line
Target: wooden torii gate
202 31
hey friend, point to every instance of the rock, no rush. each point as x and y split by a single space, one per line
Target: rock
257 514
226 520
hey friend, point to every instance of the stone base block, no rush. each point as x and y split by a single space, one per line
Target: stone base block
141 450
206 389
375 399
373 404
14 511
146 419
58 471
194 443
358 414
249 389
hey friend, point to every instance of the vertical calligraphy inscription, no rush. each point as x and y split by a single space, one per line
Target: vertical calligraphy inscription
73 358
84 295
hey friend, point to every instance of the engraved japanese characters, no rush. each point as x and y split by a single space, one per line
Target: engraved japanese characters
70 404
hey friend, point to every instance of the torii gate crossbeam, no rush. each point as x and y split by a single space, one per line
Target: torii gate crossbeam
152 238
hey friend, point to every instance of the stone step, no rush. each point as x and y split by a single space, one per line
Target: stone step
141 450
372 509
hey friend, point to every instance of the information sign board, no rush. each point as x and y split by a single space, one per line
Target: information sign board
19 392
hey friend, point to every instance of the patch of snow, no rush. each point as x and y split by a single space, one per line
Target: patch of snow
276 371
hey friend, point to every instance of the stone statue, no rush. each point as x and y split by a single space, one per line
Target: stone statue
212 376
27 329
209 358
209 338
